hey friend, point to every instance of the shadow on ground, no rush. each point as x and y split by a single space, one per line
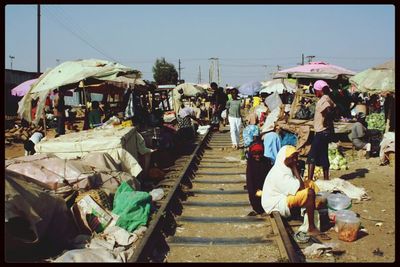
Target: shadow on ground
358 173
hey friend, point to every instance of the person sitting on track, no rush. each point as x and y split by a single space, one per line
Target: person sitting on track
257 168
284 188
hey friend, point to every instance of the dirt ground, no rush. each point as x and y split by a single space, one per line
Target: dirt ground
379 181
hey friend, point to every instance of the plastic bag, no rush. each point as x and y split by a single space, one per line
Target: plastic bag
133 207
223 114
157 194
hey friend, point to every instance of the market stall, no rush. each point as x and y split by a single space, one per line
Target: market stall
378 80
123 144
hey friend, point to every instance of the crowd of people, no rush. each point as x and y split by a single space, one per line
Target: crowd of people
274 172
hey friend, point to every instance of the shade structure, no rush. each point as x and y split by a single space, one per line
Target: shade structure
66 75
250 88
278 86
23 88
378 79
315 70
189 89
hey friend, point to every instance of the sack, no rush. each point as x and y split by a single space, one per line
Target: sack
91 214
98 195
223 114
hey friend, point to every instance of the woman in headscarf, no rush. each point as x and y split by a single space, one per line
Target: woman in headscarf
284 189
257 168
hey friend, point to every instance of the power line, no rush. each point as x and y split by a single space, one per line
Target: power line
78 35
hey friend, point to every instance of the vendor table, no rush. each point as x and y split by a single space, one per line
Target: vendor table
340 127
123 145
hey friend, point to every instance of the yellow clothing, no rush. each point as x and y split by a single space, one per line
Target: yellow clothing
300 198
256 101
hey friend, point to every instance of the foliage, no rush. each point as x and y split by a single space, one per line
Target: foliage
164 72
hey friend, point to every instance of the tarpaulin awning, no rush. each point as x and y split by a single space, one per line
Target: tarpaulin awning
69 73
278 86
189 89
315 70
378 79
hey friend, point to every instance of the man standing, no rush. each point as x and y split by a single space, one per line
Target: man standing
323 128
235 120
59 112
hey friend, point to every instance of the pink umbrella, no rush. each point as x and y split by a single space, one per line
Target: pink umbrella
317 70
23 88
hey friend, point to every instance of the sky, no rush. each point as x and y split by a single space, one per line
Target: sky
250 41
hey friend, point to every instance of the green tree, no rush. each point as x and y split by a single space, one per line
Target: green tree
164 72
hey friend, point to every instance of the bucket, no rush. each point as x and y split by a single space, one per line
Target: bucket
343 214
348 228
337 202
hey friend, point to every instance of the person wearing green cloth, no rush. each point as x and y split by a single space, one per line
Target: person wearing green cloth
235 120
94 115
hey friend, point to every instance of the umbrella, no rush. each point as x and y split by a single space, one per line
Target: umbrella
278 86
250 88
314 70
376 80
189 89
23 88
67 75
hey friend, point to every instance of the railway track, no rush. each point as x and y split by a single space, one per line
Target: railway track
203 217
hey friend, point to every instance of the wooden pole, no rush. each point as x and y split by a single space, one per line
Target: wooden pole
389 117
44 119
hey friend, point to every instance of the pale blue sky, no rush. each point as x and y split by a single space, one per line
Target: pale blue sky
243 37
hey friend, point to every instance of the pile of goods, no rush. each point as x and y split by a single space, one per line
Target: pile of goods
318 173
336 159
20 134
376 121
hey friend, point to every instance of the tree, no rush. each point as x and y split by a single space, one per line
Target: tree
164 72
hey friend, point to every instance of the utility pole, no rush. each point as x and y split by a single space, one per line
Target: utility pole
302 59
214 66
38 40
11 62
310 58
179 68
199 76
266 72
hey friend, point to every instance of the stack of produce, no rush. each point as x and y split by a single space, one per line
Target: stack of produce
318 173
20 134
337 160
376 121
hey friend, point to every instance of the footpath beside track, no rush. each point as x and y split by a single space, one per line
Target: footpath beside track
203 217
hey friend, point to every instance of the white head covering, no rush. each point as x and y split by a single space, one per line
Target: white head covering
279 183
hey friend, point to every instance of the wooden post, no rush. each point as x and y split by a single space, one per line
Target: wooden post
389 117
44 120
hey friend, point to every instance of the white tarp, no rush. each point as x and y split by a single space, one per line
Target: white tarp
123 144
68 73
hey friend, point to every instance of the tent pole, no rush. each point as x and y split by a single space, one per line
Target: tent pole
44 120
388 117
